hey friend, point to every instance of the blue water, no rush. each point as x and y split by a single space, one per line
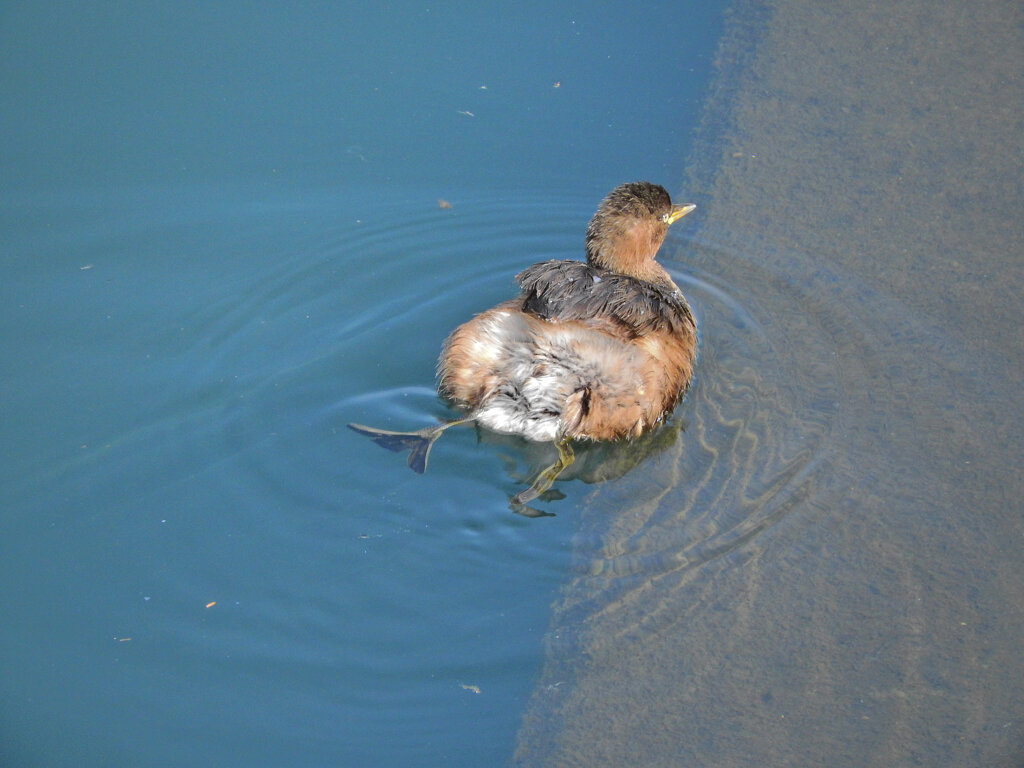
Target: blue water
221 242
536 96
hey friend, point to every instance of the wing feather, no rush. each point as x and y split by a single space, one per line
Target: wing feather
577 291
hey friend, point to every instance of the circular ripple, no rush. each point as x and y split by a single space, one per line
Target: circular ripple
352 325
760 427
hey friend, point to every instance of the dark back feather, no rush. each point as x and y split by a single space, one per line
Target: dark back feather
574 290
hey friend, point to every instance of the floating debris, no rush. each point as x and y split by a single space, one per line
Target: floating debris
443 204
465 112
472 688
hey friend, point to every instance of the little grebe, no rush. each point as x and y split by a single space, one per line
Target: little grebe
601 350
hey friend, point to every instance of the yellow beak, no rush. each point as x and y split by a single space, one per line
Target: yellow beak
677 212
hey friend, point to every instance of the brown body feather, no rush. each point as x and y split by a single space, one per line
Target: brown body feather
583 352
601 350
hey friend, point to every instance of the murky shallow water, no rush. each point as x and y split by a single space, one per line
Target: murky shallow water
814 566
824 569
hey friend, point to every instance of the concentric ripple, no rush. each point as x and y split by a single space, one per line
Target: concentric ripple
784 360
360 320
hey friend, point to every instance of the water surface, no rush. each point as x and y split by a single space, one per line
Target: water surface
826 570
221 241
